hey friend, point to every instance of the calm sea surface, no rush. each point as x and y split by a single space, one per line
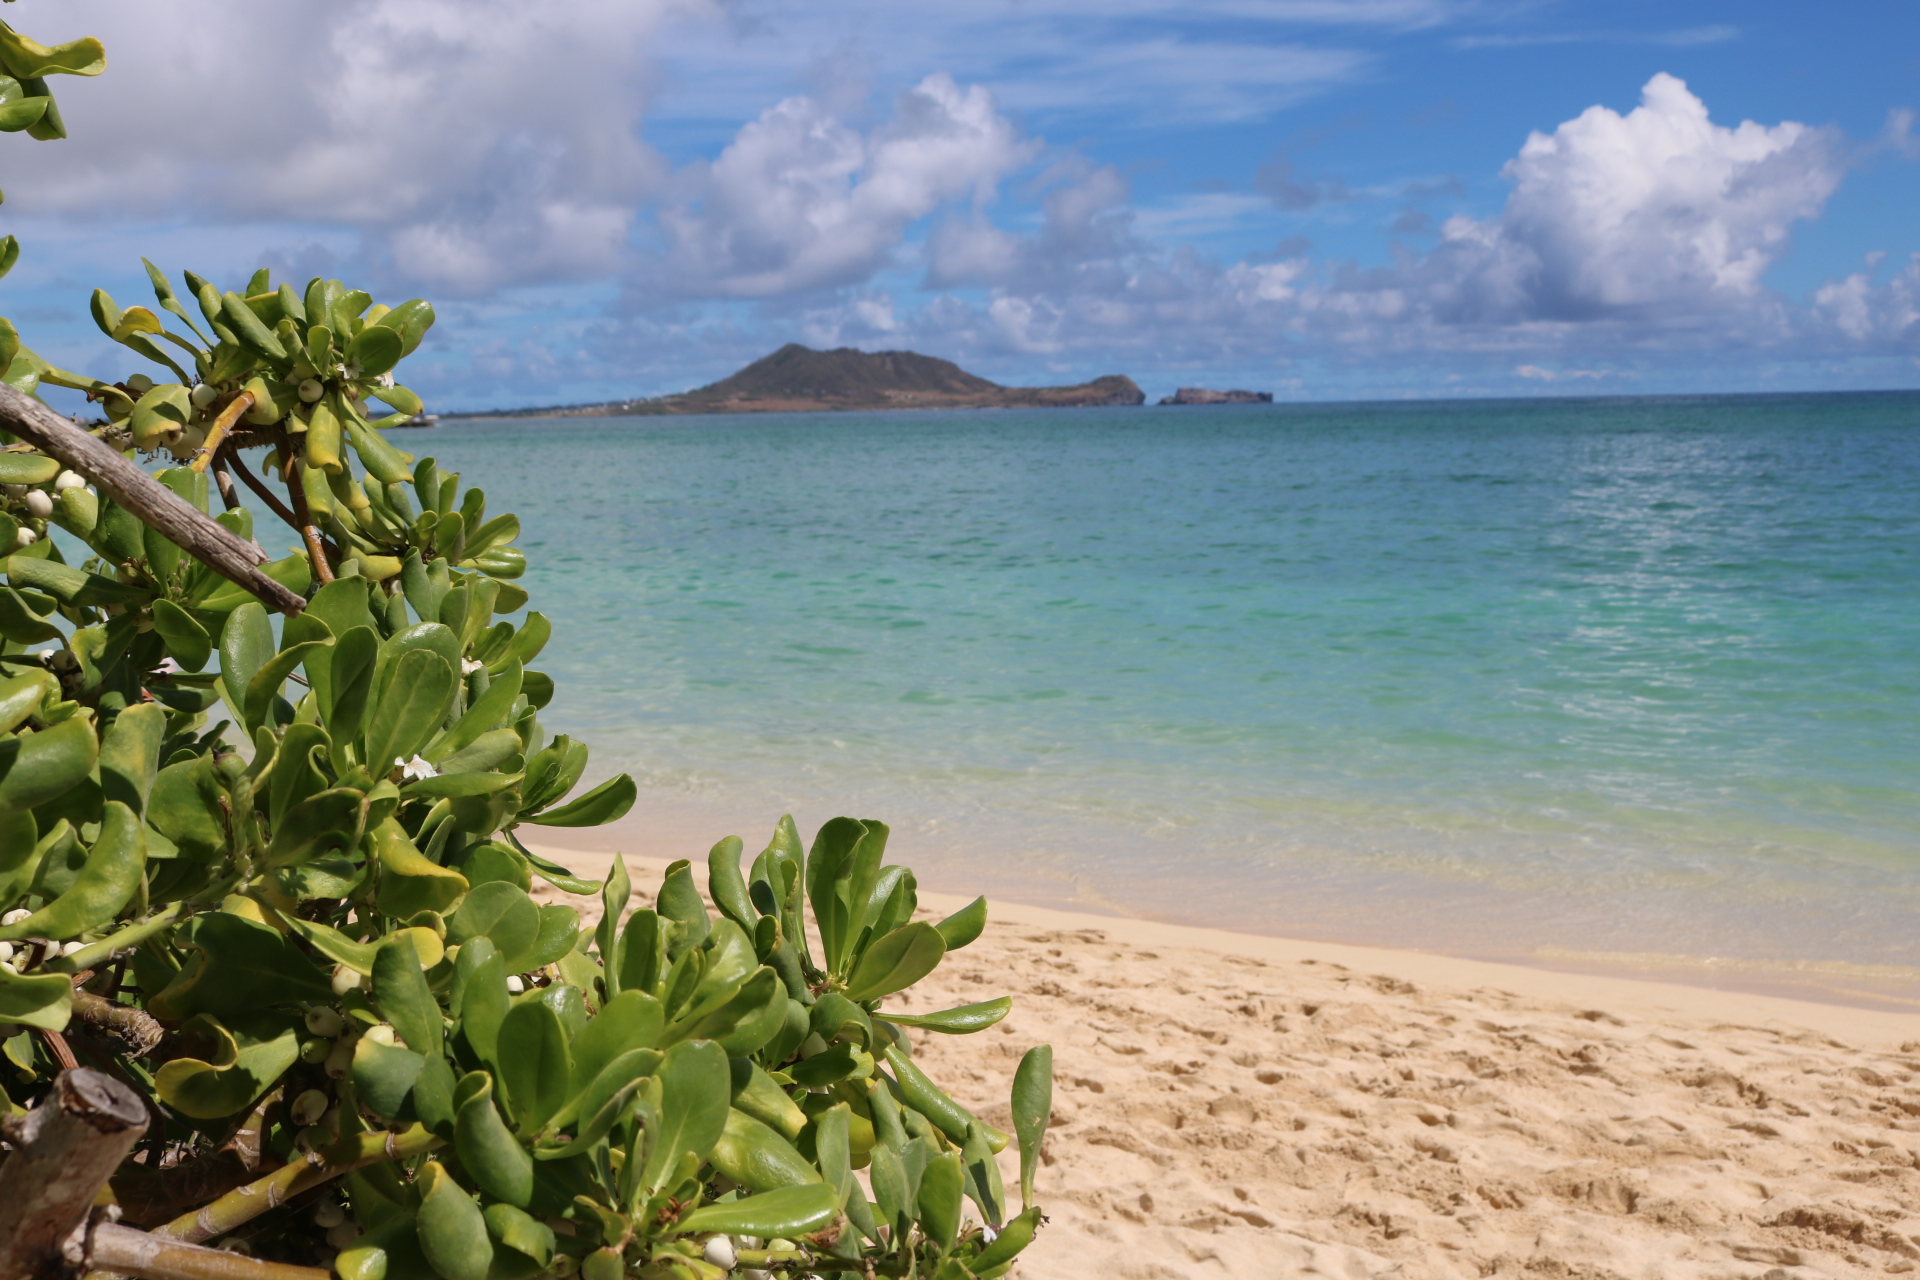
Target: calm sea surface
1624 681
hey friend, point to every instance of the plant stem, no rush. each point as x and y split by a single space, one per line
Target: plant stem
246 1203
316 549
221 425
122 1251
156 505
254 483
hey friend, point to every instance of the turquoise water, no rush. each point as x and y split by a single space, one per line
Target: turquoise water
1508 678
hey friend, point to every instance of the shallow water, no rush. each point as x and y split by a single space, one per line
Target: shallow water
1621 678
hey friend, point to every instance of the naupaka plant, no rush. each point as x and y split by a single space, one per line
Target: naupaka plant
263 869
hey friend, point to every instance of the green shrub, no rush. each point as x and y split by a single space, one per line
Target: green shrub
303 930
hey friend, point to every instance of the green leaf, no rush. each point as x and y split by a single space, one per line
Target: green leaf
400 991
983 1175
896 961
415 702
631 1020
322 823
246 645
376 349
487 710
965 1020
36 999
1032 1107
345 692
790 1211
240 966
254 335
452 1230
187 641
384 1074
521 1232
964 925
606 803
744 1022
488 1150
27 59
501 913
694 1081
115 868
534 1063
23 623
727 886
559 930
555 874
27 468
939 1200
130 755
615 891
753 1155
263 687
250 1055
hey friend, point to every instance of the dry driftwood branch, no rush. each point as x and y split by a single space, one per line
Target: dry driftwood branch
63 1151
228 554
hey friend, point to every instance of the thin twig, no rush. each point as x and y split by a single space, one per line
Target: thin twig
224 479
57 1045
156 505
254 483
303 514
221 425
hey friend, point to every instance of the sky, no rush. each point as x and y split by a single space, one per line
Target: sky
1326 199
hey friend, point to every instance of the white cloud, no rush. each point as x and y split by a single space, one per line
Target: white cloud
1632 230
799 200
1652 211
475 143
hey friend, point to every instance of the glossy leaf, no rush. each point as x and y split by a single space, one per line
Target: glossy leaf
964 1020
488 1150
693 1111
608 802
187 641
534 1063
896 961
452 1230
42 766
790 1211
400 991
1032 1107
115 866
753 1155
964 925
249 1055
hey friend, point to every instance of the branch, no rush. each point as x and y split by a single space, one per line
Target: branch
118 1250
254 483
249 1202
297 495
218 431
222 550
63 1151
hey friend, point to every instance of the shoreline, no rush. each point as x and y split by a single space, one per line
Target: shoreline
1878 1028
676 829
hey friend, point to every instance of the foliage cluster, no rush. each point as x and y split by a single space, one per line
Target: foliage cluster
305 931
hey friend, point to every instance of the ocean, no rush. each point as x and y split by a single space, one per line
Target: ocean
1604 683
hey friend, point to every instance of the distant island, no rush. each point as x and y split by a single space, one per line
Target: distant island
797 379
1201 395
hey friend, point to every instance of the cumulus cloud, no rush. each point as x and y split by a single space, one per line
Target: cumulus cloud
799 200
1658 208
1631 231
472 143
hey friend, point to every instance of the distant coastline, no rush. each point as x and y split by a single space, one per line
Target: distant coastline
797 379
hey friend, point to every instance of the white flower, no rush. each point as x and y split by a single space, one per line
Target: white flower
416 768
26 537
69 480
15 916
514 985
468 666
39 503
720 1253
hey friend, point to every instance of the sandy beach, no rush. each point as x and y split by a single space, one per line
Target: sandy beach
1237 1106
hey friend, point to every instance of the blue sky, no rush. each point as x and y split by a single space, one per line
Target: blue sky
1325 199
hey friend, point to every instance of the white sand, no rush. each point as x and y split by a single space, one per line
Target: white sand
1229 1105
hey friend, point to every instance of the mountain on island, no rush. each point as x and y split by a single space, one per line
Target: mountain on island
797 379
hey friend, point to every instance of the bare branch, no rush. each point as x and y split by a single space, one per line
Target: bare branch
225 552
118 1250
63 1151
